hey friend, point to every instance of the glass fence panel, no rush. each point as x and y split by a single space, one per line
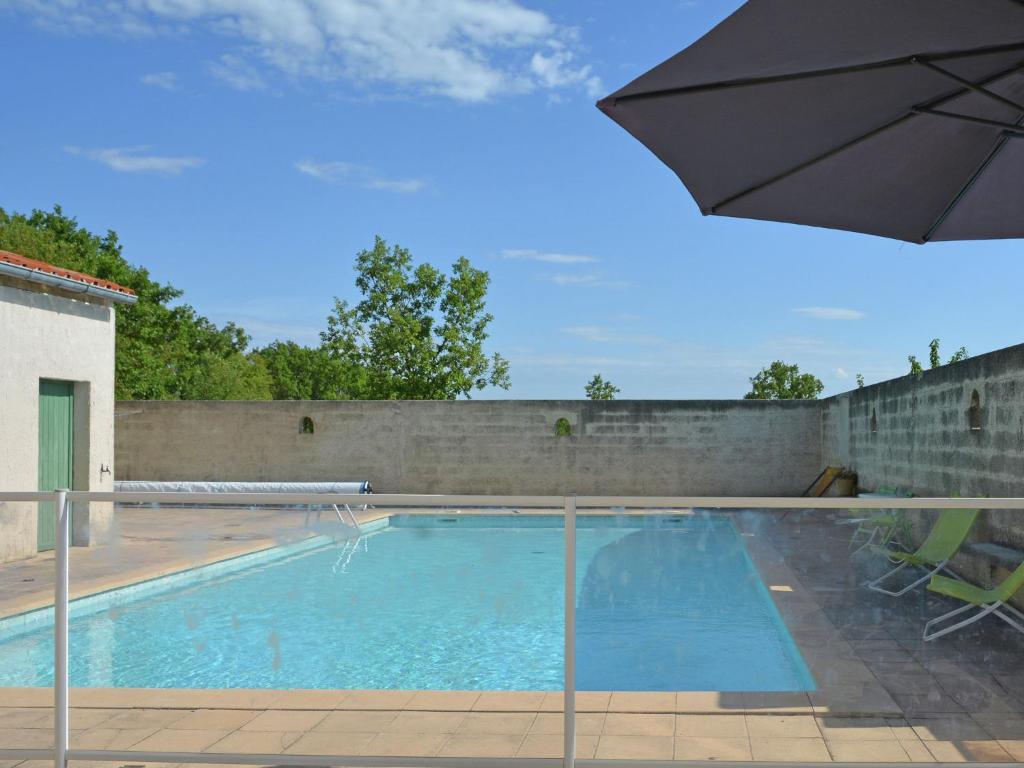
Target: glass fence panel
812 635
26 585
287 630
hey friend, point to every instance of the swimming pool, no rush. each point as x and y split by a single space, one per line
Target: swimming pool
440 602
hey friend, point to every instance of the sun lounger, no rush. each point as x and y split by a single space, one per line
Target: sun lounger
994 601
938 548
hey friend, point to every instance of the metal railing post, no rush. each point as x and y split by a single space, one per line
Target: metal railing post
569 703
60 629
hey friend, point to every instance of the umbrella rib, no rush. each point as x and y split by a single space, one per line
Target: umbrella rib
962 193
914 111
745 81
968 84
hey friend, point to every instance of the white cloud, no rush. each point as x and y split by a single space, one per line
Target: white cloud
134 160
529 254
591 280
842 374
168 81
556 71
237 73
402 186
601 335
467 50
831 313
333 170
339 170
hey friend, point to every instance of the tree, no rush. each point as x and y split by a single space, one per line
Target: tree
860 381
599 389
781 381
163 350
308 373
417 334
934 359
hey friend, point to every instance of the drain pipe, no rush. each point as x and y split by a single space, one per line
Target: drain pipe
74 286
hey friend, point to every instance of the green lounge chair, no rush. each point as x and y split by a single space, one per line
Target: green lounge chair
880 529
938 548
995 601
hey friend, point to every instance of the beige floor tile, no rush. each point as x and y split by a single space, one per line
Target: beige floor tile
509 701
215 719
425 722
439 701
80 719
712 726
586 701
285 720
356 721
708 702
782 726
780 703
144 718
871 751
330 743
481 745
110 738
309 699
549 723
257 742
969 751
631 701
789 750
711 748
26 717
167 740
947 729
1002 727
855 729
497 723
630 724
917 751
1015 747
234 698
376 700
26 738
613 747
551 745
405 744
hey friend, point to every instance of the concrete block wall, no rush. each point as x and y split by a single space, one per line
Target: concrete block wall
497 447
916 433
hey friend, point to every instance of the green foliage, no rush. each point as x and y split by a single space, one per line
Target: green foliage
934 358
860 381
307 373
164 350
563 428
781 381
417 334
599 389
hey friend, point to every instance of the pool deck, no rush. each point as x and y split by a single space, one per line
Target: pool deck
883 694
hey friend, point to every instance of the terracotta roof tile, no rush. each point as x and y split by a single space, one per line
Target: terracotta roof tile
7 257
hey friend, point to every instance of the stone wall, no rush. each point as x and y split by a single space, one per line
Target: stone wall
957 429
482 446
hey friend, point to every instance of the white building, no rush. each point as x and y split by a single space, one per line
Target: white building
56 398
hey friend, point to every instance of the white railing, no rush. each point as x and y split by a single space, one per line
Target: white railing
61 753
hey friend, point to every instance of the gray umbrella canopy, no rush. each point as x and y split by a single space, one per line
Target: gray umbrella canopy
899 118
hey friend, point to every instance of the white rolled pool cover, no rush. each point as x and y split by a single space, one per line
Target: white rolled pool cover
203 486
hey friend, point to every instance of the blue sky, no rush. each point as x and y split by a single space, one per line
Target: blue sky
244 150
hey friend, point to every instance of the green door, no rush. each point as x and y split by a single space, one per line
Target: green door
56 430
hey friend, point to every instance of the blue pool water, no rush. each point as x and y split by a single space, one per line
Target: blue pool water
441 602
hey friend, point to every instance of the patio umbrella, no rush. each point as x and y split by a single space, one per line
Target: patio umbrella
901 118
